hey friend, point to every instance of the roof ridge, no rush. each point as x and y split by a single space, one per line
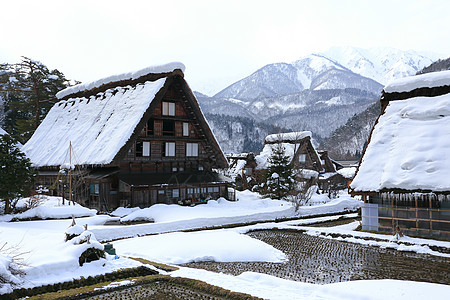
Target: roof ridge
151 73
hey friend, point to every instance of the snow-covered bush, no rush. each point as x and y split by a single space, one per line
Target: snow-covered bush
85 244
10 268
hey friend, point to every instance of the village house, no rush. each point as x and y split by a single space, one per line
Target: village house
299 149
133 139
403 176
242 169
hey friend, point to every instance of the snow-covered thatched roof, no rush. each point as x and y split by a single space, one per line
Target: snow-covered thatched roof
409 147
290 141
288 137
98 125
428 80
160 69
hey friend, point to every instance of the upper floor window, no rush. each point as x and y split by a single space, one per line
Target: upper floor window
150 127
168 128
168 109
191 149
142 149
302 158
169 149
185 129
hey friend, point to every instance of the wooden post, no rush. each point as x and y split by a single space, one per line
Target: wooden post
417 212
430 212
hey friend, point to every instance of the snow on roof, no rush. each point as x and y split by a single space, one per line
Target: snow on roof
287 137
410 83
262 159
409 147
166 68
348 172
98 126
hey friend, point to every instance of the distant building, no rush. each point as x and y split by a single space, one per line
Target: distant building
298 148
403 176
137 139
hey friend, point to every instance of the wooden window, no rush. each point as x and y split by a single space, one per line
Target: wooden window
191 149
168 109
175 193
185 129
169 149
145 148
168 128
139 147
213 189
150 127
302 158
94 188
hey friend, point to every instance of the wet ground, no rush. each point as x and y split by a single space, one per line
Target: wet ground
319 260
157 291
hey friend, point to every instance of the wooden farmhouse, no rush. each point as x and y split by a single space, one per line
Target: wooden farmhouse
242 170
403 175
298 147
136 139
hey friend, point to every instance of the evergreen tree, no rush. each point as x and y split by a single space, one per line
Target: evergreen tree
280 177
16 173
28 89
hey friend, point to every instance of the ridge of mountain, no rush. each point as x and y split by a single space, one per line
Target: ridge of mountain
348 140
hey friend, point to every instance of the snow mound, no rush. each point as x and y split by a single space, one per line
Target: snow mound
7 278
124 211
217 245
249 204
51 207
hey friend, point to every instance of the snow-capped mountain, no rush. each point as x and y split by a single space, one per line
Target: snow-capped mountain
270 80
381 64
337 68
318 92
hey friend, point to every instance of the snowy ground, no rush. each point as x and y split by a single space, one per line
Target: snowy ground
49 259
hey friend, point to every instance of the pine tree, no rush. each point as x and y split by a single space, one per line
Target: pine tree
16 173
28 89
280 177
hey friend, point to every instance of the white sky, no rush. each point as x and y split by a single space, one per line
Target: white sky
219 41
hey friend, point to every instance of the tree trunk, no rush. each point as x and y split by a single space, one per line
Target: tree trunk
7 204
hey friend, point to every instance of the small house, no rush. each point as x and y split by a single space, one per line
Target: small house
299 149
242 169
133 139
403 175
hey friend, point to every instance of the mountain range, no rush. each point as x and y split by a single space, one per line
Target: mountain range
319 92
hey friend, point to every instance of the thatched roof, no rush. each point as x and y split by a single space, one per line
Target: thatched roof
409 145
101 118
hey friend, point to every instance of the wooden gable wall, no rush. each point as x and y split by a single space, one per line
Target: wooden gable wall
170 128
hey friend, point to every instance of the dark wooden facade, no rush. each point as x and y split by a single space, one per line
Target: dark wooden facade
169 158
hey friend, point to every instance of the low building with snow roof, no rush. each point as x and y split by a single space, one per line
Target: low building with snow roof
136 139
298 147
403 176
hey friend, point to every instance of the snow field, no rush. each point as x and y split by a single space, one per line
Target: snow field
52 260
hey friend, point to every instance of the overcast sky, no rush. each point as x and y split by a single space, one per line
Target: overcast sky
219 41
